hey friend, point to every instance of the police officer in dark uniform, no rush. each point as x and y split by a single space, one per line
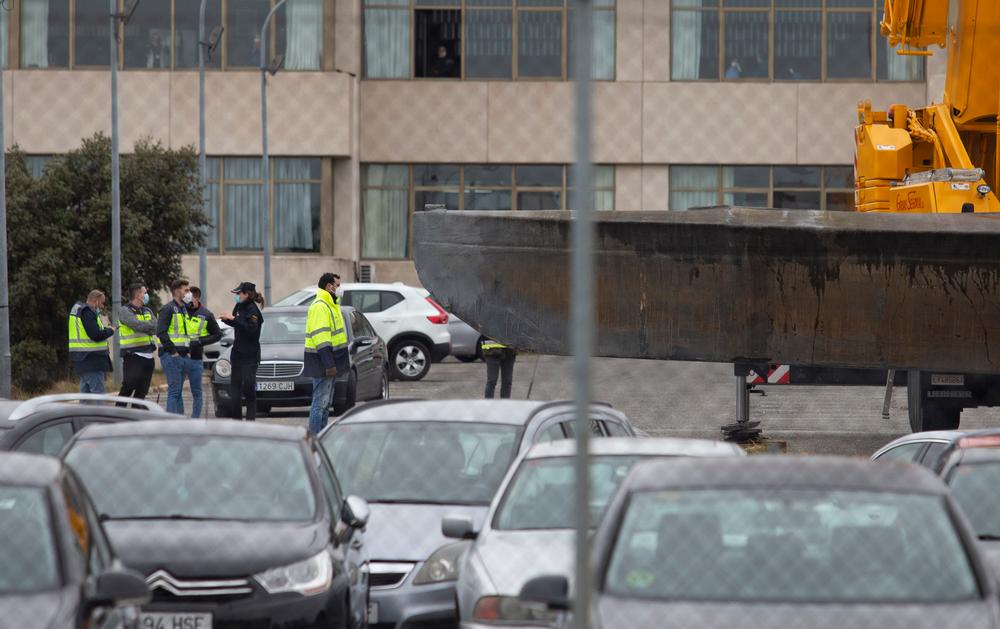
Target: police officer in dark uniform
244 357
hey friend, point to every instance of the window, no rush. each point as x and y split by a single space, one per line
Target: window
390 299
163 34
366 300
479 39
784 40
934 450
48 440
388 190
789 187
906 452
235 189
357 328
36 164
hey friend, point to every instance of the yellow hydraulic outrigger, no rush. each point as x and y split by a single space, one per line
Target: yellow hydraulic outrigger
943 157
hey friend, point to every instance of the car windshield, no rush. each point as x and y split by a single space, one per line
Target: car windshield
422 462
541 493
283 328
969 484
29 558
298 298
184 476
755 545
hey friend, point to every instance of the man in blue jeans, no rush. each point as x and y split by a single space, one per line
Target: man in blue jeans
325 353
88 342
174 329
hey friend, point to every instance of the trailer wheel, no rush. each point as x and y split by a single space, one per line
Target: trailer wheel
924 414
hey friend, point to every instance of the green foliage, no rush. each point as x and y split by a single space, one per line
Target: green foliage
59 233
34 363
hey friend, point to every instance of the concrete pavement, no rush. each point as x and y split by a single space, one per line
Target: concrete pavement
684 399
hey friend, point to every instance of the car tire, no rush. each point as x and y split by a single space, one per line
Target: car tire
263 409
346 401
409 360
384 388
468 359
222 411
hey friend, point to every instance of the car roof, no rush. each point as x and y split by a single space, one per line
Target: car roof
371 285
198 427
49 409
295 309
17 468
612 446
785 472
512 412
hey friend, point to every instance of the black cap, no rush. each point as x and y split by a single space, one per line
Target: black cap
245 287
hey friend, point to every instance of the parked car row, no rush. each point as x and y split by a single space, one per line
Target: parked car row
438 513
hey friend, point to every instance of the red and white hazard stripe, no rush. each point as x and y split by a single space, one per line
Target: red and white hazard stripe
776 374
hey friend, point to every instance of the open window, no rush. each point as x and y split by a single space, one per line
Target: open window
438 44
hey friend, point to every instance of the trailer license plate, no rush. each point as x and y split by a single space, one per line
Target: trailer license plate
947 380
156 620
275 386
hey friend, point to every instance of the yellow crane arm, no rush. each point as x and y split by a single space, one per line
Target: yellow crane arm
915 24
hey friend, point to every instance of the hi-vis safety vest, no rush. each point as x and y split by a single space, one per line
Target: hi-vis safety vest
131 340
179 329
79 342
324 324
197 326
491 346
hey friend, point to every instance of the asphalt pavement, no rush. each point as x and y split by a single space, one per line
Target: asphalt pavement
683 399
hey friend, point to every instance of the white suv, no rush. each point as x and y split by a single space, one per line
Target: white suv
413 326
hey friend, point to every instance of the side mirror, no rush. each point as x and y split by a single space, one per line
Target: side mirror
226 342
458 527
549 590
356 512
118 587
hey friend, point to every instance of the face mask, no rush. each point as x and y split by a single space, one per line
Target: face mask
145 299
236 299
339 293
188 298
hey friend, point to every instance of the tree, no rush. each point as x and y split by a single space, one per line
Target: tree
59 232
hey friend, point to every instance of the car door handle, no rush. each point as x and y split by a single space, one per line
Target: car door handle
389 320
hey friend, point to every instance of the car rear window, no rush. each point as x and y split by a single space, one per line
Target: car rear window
183 476
422 462
970 483
789 545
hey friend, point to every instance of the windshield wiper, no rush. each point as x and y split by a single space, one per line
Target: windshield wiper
104 517
412 501
990 537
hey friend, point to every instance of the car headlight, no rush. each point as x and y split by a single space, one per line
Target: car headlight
509 608
223 368
442 565
312 576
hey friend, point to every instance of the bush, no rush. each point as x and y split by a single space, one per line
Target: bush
35 366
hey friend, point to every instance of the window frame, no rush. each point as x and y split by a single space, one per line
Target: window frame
772 11
15 22
515 9
217 176
413 188
721 190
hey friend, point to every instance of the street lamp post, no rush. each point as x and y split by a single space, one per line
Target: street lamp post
264 69
203 45
5 364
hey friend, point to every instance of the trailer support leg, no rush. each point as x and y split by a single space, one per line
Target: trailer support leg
888 394
742 430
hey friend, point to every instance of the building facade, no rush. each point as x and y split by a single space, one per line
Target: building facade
383 106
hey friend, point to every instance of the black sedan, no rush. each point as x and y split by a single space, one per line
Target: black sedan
58 569
773 542
43 425
280 382
234 525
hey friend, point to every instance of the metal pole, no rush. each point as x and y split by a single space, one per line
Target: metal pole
5 375
263 142
742 400
202 161
116 219
582 305
887 401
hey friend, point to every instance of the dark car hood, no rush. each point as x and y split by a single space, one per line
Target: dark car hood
46 610
411 532
635 614
216 549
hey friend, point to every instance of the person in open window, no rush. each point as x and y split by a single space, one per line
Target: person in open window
157 55
444 65
735 70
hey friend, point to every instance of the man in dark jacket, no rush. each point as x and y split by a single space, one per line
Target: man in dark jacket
244 357
174 331
138 343
204 331
88 342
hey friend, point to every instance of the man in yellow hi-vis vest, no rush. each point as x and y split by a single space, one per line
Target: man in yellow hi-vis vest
137 336
326 352
88 342
500 360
